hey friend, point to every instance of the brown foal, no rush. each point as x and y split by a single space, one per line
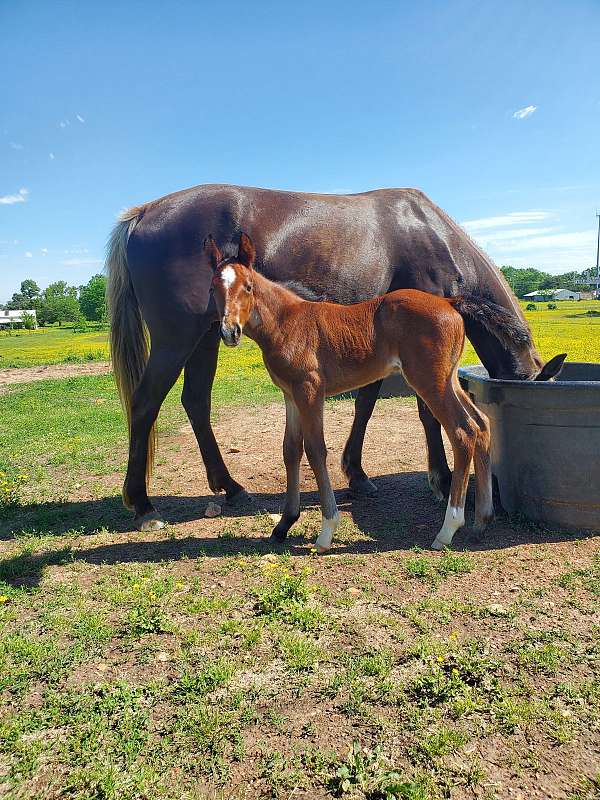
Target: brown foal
313 350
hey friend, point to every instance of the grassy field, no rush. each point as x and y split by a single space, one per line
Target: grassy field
197 663
568 329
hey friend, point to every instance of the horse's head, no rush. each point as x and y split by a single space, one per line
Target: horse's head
233 287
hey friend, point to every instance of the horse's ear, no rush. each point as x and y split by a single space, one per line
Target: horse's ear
551 368
246 251
212 251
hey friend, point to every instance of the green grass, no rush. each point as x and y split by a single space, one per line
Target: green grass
21 348
568 329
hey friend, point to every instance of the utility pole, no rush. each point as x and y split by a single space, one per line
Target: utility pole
598 260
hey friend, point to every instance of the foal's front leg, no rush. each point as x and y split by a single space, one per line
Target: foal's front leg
292 453
311 415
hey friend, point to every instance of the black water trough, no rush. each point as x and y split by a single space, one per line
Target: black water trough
545 443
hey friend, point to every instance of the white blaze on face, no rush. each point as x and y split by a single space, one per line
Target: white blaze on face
228 277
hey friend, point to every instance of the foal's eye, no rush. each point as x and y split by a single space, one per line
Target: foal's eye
248 288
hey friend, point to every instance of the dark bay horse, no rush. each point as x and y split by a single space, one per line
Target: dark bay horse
315 350
345 248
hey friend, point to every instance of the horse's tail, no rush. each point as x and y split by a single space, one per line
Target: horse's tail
511 331
129 343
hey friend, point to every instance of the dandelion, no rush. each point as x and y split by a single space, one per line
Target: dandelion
3 598
454 635
440 659
454 673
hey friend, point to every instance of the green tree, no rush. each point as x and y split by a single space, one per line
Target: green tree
30 290
61 309
92 298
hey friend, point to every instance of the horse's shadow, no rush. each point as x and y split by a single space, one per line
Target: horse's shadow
403 515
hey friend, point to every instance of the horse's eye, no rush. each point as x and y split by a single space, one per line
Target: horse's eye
248 288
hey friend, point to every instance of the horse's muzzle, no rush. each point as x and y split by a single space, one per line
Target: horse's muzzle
231 334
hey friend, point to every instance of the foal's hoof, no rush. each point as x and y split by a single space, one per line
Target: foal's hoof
363 487
437 545
239 498
149 522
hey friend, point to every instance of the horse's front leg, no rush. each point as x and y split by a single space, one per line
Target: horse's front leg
197 386
311 415
292 453
352 457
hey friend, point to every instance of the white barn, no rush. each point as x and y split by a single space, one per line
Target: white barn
555 294
10 318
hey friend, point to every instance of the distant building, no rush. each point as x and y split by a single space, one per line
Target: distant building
566 294
555 294
536 297
10 319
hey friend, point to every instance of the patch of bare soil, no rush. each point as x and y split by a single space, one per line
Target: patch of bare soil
46 371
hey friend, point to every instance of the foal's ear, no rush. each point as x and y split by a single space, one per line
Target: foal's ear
246 251
551 368
212 251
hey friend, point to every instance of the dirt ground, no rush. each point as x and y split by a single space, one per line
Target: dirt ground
511 591
45 371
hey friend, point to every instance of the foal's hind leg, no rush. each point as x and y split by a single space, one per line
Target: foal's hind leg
197 386
292 453
462 432
484 504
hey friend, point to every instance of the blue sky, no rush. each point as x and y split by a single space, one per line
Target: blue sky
492 108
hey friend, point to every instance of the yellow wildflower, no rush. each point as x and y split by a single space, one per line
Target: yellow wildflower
3 598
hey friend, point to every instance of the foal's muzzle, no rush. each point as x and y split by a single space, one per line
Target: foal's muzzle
231 334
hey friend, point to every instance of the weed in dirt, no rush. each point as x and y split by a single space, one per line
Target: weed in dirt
287 598
299 653
434 569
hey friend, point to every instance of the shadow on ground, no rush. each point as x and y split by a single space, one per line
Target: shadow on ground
402 516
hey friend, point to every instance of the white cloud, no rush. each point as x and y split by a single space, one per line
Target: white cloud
29 254
82 262
517 238
16 146
522 113
513 218
51 156
80 118
63 123
11 199
44 251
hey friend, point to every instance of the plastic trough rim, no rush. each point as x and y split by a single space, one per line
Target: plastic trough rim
477 372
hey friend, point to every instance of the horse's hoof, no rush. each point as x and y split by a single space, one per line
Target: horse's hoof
439 485
320 550
437 545
149 522
239 498
277 539
363 487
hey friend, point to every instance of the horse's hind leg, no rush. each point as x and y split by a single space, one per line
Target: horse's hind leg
196 396
162 370
352 456
292 453
439 475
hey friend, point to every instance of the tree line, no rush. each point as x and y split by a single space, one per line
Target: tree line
60 302
525 280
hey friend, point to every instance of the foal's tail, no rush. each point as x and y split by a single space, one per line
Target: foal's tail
129 345
510 331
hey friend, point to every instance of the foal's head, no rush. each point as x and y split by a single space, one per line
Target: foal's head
233 287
